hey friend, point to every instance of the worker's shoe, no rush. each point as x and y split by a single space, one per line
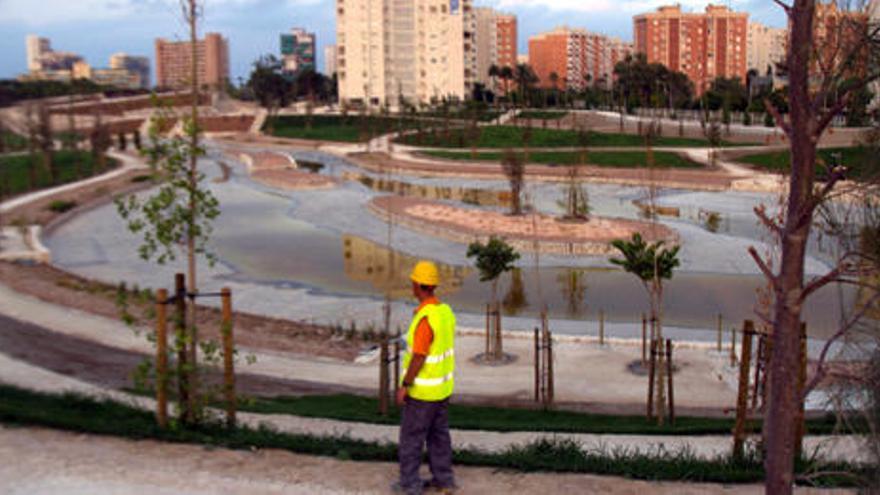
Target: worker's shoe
405 490
432 486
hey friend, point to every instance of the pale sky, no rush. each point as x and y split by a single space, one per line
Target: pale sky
98 28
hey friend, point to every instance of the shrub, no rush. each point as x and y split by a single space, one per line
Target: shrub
61 206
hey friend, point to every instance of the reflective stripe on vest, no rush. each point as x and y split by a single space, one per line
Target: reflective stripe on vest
435 381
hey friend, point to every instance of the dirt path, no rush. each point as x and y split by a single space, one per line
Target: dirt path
39 461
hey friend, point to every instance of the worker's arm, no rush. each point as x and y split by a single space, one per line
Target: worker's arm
415 365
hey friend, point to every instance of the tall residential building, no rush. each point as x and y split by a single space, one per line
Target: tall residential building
330 60
414 50
766 47
704 46
577 57
496 43
173 62
135 65
298 52
36 48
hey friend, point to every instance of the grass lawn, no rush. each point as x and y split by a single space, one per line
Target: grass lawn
863 163
12 141
350 129
542 115
487 116
104 417
512 137
610 159
465 417
15 176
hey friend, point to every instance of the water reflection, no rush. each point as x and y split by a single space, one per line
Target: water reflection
388 270
479 197
573 286
515 299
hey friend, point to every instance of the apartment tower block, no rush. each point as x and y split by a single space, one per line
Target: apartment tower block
391 52
577 57
173 62
496 44
704 46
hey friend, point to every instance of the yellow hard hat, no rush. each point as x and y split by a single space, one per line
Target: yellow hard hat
425 273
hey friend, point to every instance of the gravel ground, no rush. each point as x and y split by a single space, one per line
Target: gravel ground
45 462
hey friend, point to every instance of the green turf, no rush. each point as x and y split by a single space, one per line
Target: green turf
350 129
610 159
512 137
12 141
465 115
541 115
466 417
104 417
15 170
862 163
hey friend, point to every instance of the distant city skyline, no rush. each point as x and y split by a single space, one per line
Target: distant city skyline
98 28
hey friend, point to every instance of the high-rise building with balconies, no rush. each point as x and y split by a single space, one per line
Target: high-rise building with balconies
174 68
298 52
578 58
766 47
496 43
395 51
704 46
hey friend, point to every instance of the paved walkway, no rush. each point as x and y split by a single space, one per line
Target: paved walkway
115 335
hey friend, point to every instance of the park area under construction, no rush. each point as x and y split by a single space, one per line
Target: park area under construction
567 360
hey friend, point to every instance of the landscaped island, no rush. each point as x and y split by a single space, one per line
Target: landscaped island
526 232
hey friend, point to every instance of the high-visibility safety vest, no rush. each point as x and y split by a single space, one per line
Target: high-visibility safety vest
435 380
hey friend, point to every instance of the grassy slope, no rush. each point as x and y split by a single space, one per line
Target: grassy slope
612 159
512 137
861 162
542 115
85 415
364 410
69 165
351 129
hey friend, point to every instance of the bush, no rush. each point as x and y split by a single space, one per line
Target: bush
61 206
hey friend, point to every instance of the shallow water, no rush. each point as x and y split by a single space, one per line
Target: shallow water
328 244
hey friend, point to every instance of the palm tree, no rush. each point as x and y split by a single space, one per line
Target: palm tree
494 72
525 78
506 76
554 81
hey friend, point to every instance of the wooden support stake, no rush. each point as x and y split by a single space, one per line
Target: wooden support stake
644 340
733 347
180 338
739 432
228 357
537 367
671 388
499 350
384 362
720 332
759 358
162 358
550 381
601 327
488 330
651 365
396 369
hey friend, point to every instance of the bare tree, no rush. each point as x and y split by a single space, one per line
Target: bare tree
514 168
824 71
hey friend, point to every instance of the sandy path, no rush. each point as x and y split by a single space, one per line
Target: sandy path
45 462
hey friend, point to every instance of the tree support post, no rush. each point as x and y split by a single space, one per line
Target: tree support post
739 432
601 327
644 340
651 370
384 362
228 357
180 344
671 387
161 358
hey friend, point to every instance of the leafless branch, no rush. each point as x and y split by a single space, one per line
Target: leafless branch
762 265
761 212
821 370
785 6
777 117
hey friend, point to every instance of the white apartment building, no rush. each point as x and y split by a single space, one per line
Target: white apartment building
417 50
36 48
496 43
766 47
330 60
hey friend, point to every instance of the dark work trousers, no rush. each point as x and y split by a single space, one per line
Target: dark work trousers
425 422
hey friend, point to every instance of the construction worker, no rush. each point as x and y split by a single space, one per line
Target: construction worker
427 384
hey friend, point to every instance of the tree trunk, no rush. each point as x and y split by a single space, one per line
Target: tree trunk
191 241
789 283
